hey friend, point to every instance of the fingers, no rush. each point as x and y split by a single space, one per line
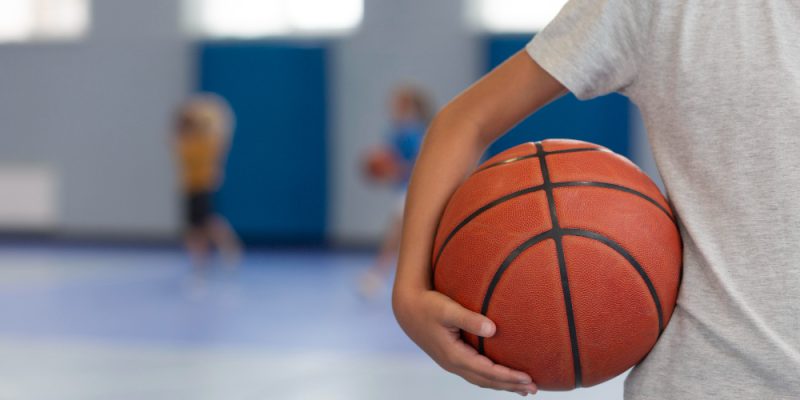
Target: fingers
435 324
463 360
456 316
469 360
480 381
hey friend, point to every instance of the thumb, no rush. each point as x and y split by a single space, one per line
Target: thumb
456 316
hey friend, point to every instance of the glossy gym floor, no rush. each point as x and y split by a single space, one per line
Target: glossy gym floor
90 323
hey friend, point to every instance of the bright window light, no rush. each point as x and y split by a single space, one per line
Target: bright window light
16 20
513 16
259 18
27 20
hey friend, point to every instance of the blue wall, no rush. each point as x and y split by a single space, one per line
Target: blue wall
604 120
276 184
276 187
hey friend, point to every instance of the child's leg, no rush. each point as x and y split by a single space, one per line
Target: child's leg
377 277
384 264
196 238
197 245
225 239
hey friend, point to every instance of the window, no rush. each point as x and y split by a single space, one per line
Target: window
259 18
513 16
26 20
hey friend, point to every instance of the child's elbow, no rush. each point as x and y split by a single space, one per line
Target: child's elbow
452 121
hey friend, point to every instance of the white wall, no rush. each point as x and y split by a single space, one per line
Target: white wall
97 112
422 41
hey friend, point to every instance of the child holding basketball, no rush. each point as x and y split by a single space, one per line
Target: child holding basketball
411 112
203 130
718 87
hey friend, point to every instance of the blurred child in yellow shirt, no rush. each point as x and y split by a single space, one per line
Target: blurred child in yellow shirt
203 132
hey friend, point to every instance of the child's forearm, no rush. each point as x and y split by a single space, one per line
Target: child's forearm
453 145
451 149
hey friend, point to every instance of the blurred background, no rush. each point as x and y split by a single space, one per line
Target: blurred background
99 299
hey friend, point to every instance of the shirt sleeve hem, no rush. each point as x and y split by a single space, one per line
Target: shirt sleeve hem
563 72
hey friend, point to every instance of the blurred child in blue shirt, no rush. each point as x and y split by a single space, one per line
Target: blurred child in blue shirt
411 112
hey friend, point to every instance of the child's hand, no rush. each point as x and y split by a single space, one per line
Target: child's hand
435 322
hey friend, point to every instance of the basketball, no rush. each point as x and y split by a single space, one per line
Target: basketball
571 250
381 165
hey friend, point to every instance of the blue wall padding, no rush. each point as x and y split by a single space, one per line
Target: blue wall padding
276 185
604 120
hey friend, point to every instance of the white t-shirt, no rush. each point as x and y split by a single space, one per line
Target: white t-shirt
718 85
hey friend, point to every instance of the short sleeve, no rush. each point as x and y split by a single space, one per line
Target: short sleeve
594 47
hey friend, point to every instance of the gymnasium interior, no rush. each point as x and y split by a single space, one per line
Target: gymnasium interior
98 298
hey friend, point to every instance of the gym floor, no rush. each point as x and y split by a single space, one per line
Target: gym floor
91 323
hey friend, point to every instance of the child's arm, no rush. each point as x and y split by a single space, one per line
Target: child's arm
458 136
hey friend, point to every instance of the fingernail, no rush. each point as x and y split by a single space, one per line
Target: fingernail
486 328
523 394
525 382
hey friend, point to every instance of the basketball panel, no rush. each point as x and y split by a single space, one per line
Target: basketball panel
532 329
603 166
470 259
521 150
567 144
483 188
615 317
636 225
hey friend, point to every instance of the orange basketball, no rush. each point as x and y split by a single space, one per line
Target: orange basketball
571 250
381 165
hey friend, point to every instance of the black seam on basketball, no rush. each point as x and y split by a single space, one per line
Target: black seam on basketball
505 162
534 155
533 189
502 269
478 212
547 153
616 187
562 265
631 260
